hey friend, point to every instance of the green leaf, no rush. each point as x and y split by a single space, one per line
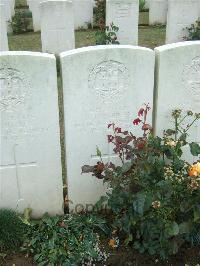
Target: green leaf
172 229
98 151
128 239
126 167
194 148
196 213
185 206
185 228
170 132
183 137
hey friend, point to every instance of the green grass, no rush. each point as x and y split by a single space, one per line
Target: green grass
144 18
152 37
148 37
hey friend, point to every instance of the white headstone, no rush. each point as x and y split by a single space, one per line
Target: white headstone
57 26
158 12
3 30
34 6
147 4
30 164
12 7
125 15
199 9
177 84
181 14
8 12
83 13
101 84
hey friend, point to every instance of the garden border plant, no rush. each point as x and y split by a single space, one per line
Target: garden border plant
154 194
193 32
68 240
12 230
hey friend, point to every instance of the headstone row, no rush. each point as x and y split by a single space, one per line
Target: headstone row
101 85
177 14
57 22
82 12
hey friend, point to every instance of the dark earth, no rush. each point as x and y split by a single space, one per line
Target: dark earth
125 257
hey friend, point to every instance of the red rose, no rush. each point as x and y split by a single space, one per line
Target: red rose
118 130
136 121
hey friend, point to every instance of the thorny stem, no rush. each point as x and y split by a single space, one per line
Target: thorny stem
176 128
191 124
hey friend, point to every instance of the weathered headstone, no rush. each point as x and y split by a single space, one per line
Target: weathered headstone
7 9
125 15
3 30
57 26
101 84
30 164
83 13
34 6
8 12
177 84
147 4
199 9
181 14
158 12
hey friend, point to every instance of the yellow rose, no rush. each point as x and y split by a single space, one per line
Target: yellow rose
156 204
194 170
171 143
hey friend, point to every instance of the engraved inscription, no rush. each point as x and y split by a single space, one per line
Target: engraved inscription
13 88
122 11
191 78
109 80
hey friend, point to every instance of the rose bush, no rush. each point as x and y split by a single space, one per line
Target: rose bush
154 195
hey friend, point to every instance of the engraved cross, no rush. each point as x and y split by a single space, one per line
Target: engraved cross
16 165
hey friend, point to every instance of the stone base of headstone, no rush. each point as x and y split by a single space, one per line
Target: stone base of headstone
158 12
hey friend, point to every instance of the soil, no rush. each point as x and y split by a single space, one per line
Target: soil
125 257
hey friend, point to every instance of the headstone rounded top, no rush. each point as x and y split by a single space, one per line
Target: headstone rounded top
104 47
176 45
55 2
26 53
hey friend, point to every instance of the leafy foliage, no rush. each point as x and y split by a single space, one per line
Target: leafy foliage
141 4
100 12
20 22
107 35
11 230
154 194
67 241
193 32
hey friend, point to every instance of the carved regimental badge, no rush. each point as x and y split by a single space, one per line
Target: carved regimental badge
13 88
109 79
